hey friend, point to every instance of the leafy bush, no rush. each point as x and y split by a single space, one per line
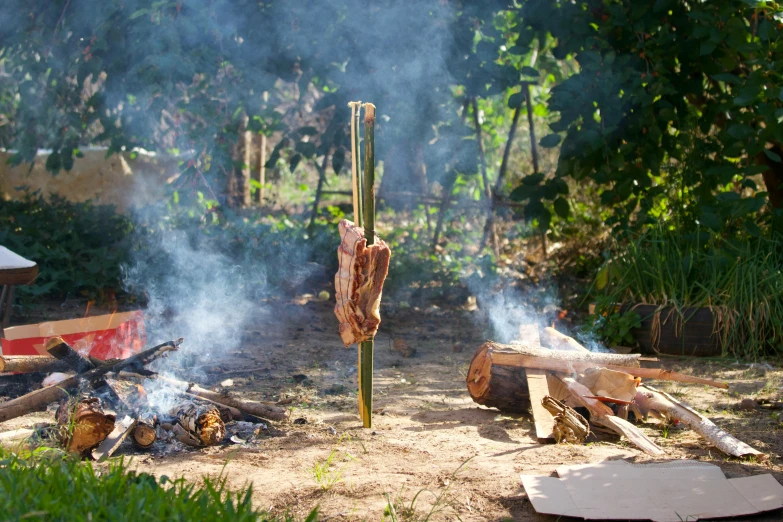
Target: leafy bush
739 279
50 486
79 247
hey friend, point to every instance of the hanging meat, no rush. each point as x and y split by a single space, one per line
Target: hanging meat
359 283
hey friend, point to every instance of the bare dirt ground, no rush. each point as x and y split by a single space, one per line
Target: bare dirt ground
429 442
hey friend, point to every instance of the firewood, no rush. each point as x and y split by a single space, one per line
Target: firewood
39 399
58 348
144 433
198 425
496 385
602 415
83 424
257 409
569 426
650 399
122 429
570 362
30 364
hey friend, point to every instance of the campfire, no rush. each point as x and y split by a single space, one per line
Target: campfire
106 402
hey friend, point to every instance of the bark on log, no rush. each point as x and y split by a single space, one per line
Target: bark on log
198 425
571 362
39 399
650 399
257 409
84 424
497 386
30 364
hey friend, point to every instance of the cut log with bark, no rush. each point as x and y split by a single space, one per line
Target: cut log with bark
144 433
257 409
572 362
650 399
83 424
602 415
496 385
30 364
59 349
568 426
198 425
39 399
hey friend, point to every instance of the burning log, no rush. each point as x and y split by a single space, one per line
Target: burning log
257 409
650 399
38 399
144 433
84 424
569 362
198 425
30 364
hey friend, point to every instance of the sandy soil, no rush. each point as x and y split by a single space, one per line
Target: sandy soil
429 441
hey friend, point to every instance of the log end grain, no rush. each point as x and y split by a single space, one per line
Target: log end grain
496 386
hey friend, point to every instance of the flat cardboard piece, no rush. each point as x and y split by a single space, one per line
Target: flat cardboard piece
112 336
662 492
609 383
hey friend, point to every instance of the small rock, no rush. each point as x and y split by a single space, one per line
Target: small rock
299 378
748 405
227 383
300 420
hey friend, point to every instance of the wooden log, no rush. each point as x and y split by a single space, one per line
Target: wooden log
198 425
495 385
30 364
39 399
570 362
257 409
84 424
650 399
144 433
602 415
59 349
568 425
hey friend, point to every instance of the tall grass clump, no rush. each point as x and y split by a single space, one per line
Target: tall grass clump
739 280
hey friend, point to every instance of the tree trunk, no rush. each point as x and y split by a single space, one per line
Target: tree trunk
239 178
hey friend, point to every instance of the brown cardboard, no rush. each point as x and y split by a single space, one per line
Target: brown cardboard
664 492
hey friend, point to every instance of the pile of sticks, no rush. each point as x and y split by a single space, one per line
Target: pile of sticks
87 428
525 375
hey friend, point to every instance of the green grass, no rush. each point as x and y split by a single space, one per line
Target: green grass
740 280
47 485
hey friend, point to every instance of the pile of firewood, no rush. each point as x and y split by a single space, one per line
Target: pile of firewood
553 375
103 403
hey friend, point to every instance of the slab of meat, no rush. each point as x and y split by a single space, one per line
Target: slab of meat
359 283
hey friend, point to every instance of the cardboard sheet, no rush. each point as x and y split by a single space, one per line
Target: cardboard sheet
663 492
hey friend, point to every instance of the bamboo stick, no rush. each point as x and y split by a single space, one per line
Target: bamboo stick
366 348
355 163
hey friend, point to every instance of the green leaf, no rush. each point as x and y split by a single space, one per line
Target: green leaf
561 207
529 71
516 100
532 180
706 48
338 160
728 78
771 155
306 149
551 141
53 163
294 162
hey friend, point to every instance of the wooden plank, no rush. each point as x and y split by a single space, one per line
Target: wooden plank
539 388
110 444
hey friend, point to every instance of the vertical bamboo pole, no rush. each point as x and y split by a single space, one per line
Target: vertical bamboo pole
368 193
357 214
